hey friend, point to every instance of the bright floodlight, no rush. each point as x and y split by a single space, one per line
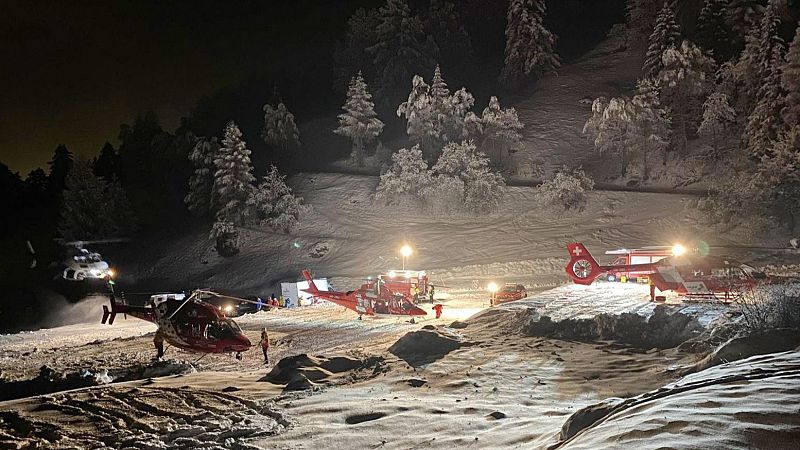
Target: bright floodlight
392 274
492 287
110 273
405 251
678 250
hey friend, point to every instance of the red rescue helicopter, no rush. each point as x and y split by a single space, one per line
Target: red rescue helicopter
186 322
694 276
372 298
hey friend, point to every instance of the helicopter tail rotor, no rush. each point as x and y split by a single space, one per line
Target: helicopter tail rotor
109 315
582 268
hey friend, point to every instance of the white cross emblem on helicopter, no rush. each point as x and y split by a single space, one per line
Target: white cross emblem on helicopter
577 251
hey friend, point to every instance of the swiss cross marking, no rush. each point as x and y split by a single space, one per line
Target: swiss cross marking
577 251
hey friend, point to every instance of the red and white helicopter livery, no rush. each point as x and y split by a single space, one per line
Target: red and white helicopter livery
693 276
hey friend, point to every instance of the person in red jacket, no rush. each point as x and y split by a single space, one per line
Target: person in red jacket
438 308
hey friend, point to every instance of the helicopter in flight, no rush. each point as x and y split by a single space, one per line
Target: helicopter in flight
186 322
373 298
690 275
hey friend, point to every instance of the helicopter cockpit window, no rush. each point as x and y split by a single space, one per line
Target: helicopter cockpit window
750 270
223 329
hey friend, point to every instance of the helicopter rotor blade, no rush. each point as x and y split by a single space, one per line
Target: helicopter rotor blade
189 298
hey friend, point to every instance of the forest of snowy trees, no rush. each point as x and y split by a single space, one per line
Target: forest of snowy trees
711 102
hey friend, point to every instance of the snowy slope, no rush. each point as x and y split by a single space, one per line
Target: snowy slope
355 237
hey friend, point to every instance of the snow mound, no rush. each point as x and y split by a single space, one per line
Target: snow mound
140 418
301 372
427 345
751 403
741 347
665 328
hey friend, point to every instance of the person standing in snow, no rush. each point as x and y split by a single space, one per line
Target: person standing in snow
265 345
438 309
430 294
158 342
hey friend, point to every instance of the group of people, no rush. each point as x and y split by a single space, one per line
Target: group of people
272 301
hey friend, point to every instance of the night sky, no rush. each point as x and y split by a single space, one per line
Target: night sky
75 70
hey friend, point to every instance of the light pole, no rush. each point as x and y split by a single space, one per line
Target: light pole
492 287
405 250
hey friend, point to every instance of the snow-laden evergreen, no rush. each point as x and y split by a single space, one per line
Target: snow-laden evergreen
280 130
640 18
567 189
742 15
483 188
779 177
765 122
684 80
359 122
648 133
718 117
713 34
201 183
421 125
92 208
446 25
225 235
790 82
274 203
665 34
529 44
406 178
233 179
753 65
402 48
501 130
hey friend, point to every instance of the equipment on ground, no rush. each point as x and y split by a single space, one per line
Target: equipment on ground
694 276
187 322
296 293
372 298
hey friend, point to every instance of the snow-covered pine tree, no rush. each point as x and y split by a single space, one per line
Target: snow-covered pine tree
665 34
280 130
351 54
502 130
446 25
567 189
753 65
718 115
60 164
685 78
401 49
107 163
483 188
592 126
202 156
742 15
418 112
456 125
713 33
649 131
91 209
790 82
612 132
406 178
274 203
779 177
359 122
765 124
233 179
225 236
529 44
439 101
640 18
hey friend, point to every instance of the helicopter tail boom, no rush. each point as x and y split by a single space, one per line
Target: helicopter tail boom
109 316
582 268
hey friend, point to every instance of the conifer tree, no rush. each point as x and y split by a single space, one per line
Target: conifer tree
502 130
274 203
718 115
401 50
359 122
778 177
529 44
665 34
764 124
107 163
648 132
418 112
233 179
406 178
684 80
713 33
483 188
201 183
280 130
60 165
753 66
640 18
91 207
742 15
790 82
